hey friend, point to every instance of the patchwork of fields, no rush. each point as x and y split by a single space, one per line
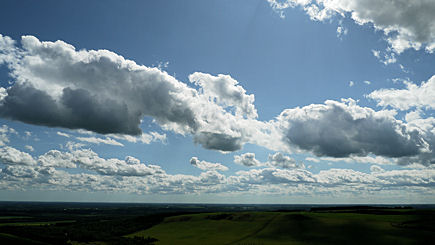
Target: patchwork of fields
160 224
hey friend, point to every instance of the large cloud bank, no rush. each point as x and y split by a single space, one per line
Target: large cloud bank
97 90
58 86
49 171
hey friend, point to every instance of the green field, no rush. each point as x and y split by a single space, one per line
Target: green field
292 228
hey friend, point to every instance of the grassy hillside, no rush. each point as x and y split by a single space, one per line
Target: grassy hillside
293 228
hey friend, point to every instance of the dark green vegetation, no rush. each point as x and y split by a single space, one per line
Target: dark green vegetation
99 223
346 227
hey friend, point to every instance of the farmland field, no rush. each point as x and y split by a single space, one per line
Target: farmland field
160 224
291 228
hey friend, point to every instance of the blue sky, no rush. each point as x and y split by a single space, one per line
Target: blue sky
217 101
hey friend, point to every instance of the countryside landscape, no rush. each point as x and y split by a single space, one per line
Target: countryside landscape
116 223
217 122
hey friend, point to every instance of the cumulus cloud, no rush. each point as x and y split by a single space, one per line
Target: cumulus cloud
266 176
4 134
203 165
280 160
406 24
12 156
55 158
131 166
97 90
20 172
56 85
413 96
334 177
224 90
83 158
426 127
7 54
276 160
247 159
342 129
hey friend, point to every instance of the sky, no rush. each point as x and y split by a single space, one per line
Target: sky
250 101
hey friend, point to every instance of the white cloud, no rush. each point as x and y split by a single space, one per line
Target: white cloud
62 134
225 90
282 161
404 99
72 146
247 159
145 138
376 169
341 31
3 139
4 134
55 158
276 160
3 94
29 147
12 156
7 54
4 129
407 177
20 172
386 58
406 24
312 159
132 176
203 165
131 166
367 82
426 128
267 176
